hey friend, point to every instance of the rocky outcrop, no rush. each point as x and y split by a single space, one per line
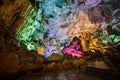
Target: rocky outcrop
14 15
9 13
9 64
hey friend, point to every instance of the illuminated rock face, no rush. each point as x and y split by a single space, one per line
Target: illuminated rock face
51 26
96 45
26 25
52 33
82 27
74 49
65 27
56 22
31 27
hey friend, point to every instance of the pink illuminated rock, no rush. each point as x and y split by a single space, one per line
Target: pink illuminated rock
74 49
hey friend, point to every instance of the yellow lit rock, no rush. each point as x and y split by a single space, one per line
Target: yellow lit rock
95 44
40 51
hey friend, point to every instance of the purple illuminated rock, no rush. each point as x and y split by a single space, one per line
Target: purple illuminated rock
92 3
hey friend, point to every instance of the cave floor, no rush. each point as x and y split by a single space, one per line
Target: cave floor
28 65
65 74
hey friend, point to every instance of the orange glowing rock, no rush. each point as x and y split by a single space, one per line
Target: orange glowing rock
82 27
40 51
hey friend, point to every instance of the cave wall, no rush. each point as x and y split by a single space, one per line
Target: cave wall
14 15
34 23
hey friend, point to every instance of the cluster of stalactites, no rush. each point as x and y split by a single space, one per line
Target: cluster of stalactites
82 28
99 10
106 13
